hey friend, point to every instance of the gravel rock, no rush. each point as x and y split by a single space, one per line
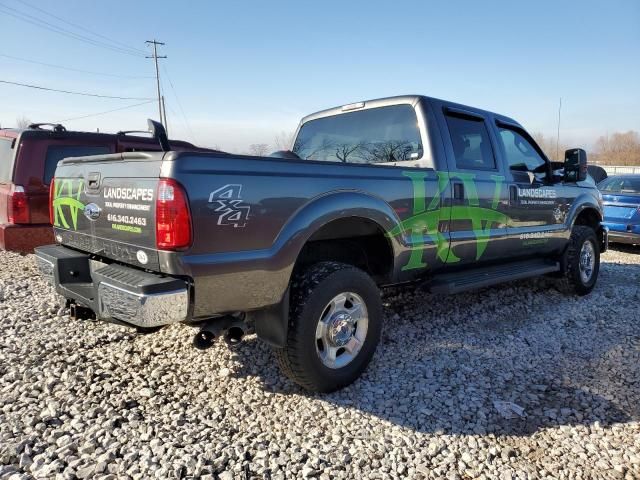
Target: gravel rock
83 399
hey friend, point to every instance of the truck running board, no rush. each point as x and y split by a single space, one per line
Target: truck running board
483 277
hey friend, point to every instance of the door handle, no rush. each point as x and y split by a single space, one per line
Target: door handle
93 181
458 191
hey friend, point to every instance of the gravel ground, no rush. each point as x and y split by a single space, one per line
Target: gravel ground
89 400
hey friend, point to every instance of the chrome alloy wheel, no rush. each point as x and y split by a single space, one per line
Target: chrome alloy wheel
587 259
341 330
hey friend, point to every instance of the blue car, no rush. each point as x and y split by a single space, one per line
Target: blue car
621 196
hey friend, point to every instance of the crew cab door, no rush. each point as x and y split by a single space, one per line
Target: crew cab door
477 207
537 209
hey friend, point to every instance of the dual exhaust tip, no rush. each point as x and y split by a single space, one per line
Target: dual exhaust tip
232 336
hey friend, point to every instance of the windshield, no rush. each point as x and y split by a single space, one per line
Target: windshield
621 184
376 135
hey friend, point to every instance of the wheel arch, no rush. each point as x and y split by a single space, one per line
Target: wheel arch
318 221
590 214
339 216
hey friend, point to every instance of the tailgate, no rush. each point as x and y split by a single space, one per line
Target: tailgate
620 212
105 205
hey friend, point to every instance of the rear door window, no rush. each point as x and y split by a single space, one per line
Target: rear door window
6 160
58 152
376 135
471 144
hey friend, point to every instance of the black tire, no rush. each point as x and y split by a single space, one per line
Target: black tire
311 291
573 281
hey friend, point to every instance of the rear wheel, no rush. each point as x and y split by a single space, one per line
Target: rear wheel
581 261
334 326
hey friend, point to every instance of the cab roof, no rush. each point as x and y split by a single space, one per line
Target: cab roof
398 100
36 130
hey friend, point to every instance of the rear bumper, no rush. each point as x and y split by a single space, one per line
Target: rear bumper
623 233
115 292
624 237
24 238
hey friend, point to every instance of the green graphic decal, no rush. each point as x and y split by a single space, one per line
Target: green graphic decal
67 193
426 219
496 192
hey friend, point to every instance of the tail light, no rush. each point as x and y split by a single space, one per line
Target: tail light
18 206
173 219
52 189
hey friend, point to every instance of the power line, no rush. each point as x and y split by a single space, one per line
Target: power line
105 112
80 27
71 69
175 94
74 93
25 17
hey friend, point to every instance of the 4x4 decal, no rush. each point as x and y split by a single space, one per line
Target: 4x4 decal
67 193
426 218
227 202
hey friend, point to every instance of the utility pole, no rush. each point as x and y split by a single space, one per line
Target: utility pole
155 58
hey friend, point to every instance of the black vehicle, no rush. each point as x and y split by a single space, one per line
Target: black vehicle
384 192
597 173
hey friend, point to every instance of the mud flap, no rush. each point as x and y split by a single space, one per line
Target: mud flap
272 323
603 236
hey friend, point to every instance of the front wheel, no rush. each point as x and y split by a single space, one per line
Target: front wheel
581 260
334 326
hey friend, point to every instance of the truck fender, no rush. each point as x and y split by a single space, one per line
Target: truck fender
588 202
326 208
272 323
582 203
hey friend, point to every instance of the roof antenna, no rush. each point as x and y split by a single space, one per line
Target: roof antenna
558 137
160 134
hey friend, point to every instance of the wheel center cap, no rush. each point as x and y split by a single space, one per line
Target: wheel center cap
341 329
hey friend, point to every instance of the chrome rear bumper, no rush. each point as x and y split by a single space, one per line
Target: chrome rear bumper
142 310
115 292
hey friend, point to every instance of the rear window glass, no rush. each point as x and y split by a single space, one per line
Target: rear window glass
6 159
377 135
57 153
620 185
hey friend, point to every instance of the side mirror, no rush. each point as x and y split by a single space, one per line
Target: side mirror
575 165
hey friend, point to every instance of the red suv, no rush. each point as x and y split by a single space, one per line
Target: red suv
28 160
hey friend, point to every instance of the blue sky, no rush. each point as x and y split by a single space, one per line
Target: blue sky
246 70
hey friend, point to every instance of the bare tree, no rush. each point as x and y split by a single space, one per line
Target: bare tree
284 140
259 149
314 153
344 150
389 151
620 148
23 122
550 147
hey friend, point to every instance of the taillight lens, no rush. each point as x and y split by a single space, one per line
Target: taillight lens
52 189
173 219
18 206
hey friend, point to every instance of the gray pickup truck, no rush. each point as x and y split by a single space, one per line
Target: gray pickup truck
297 245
